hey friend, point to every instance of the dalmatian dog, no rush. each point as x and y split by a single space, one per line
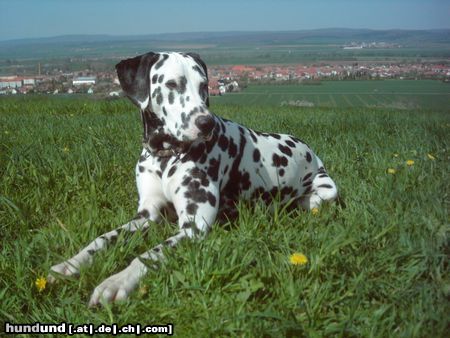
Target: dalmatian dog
195 166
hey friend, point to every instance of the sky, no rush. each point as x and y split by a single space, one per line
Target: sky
45 18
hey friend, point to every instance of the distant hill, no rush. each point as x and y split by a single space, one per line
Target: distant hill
340 35
116 46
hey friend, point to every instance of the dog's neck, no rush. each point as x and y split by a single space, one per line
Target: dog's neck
157 142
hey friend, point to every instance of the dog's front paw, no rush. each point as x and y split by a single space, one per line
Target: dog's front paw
66 268
116 287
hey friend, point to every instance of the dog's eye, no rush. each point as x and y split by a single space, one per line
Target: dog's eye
171 84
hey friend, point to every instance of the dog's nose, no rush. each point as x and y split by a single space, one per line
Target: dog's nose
205 124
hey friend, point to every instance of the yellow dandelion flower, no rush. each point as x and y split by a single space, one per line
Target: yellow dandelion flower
40 283
66 149
315 211
143 290
409 162
431 157
391 171
298 259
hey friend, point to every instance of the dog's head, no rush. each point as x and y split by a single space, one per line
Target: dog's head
173 89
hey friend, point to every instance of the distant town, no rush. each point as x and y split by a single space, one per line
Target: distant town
223 79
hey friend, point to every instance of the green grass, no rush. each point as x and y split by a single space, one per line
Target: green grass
390 94
378 266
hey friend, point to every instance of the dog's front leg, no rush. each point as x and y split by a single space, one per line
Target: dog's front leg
71 267
193 222
120 285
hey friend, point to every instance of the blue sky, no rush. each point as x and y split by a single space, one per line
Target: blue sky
41 18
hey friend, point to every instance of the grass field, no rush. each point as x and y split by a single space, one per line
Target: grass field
378 265
391 94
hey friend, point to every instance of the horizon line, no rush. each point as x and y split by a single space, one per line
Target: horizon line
225 31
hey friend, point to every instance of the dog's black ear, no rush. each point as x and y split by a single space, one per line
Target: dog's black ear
199 61
134 77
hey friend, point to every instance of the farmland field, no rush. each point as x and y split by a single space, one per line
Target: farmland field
238 47
377 262
394 94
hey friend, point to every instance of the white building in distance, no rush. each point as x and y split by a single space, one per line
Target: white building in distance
84 80
10 82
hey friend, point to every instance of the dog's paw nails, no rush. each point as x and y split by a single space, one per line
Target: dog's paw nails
61 269
115 288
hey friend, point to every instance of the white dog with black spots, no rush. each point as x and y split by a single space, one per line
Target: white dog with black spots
195 166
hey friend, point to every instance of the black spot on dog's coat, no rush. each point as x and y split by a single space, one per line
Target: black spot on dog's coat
290 143
223 142
256 155
279 161
213 170
285 150
171 171
191 208
186 180
212 199
161 62
307 176
159 99
198 69
245 181
232 148
182 86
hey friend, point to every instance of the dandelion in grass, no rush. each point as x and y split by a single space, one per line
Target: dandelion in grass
298 259
431 157
391 171
66 149
409 163
40 283
315 211
395 155
143 290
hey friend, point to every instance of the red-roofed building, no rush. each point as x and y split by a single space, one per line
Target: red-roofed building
242 69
